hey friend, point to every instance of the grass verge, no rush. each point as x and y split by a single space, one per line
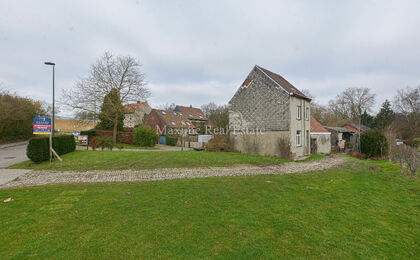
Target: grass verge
82 160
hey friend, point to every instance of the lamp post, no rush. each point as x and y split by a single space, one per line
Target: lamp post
53 64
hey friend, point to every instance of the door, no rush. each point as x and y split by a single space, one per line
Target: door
162 139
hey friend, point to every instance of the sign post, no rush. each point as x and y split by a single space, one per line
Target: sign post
42 126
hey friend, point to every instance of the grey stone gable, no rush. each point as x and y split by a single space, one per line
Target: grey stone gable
259 104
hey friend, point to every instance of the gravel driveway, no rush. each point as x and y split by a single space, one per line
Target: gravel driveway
34 178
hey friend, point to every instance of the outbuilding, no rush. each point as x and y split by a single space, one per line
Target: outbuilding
320 138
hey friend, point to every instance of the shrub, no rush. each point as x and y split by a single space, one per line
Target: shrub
219 143
120 146
171 140
373 144
145 136
38 149
93 143
105 142
284 147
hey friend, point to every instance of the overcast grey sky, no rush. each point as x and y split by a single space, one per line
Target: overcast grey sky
195 52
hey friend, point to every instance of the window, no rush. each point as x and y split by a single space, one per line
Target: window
173 123
298 138
298 112
175 113
201 117
307 113
190 115
163 112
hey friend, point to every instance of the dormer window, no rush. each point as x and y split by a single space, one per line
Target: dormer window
201 117
175 113
173 123
190 115
163 112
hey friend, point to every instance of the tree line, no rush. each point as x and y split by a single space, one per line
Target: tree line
17 115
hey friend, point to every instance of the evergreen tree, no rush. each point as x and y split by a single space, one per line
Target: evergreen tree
367 120
111 109
385 116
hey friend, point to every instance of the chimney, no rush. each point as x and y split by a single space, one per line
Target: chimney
190 106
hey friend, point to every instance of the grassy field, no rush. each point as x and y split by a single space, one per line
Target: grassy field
364 210
91 160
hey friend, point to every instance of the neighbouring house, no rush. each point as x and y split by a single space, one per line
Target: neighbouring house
135 114
268 111
355 127
169 122
320 138
196 116
340 133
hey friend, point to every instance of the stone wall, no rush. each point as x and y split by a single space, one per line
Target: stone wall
259 105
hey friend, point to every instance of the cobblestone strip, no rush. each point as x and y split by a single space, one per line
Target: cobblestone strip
50 177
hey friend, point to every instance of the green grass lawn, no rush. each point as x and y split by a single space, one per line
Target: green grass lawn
113 160
364 210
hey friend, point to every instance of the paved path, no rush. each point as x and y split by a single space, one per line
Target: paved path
12 153
34 178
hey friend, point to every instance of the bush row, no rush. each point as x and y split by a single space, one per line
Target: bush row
38 149
145 136
171 140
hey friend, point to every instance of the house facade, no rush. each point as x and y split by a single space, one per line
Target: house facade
267 111
168 122
320 138
135 114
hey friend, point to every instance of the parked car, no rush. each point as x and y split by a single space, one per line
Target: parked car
398 142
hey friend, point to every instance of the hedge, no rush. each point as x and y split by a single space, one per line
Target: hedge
171 140
373 144
38 149
145 136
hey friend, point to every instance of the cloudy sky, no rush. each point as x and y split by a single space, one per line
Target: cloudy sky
194 52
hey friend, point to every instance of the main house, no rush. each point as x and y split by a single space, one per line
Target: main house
266 112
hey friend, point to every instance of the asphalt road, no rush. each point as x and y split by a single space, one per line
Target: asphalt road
12 153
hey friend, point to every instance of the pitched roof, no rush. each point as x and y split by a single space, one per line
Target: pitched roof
286 85
339 129
192 113
354 125
316 127
130 108
174 119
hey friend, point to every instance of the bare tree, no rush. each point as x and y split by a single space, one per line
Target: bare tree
120 73
167 106
407 119
352 102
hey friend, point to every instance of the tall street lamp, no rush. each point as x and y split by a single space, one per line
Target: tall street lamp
53 64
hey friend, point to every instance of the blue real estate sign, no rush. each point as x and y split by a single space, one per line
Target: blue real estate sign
42 125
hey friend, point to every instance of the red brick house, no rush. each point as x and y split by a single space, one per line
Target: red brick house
168 122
